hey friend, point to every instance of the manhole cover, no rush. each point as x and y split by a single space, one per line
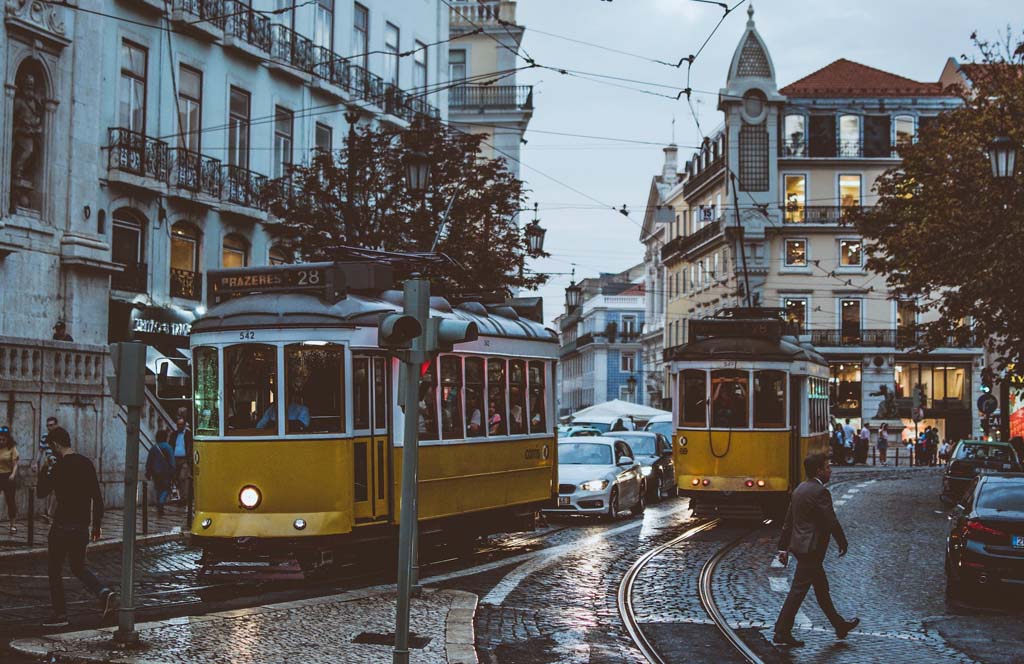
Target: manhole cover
377 639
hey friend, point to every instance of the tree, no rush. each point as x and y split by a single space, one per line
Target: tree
357 197
945 233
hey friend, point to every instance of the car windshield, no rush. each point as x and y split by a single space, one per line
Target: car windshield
596 454
594 425
1002 496
984 452
664 428
641 445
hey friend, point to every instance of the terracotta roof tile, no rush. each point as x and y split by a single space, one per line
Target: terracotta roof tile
845 78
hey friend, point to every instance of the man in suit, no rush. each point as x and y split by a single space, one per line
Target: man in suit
810 523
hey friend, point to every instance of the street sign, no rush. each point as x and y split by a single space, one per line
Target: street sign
987 403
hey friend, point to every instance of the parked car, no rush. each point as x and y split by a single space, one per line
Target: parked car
605 423
660 424
598 476
986 538
972 457
653 452
572 432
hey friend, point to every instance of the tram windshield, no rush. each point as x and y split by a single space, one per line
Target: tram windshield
250 389
594 454
729 398
315 388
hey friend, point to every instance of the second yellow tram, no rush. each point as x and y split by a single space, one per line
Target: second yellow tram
751 402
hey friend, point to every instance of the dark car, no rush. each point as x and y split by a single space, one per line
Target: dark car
653 451
971 458
986 539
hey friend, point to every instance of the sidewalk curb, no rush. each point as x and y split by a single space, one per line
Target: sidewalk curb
155 538
459 636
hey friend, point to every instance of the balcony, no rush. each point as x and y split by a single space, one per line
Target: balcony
879 338
492 97
365 85
467 14
196 173
246 30
200 18
186 284
292 50
715 168
826 215
282 193
584 340
682 245
132 279
145 160
838 149
243 187
396 103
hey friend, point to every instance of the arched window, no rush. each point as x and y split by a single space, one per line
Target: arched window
185 279
279 256
127 249
235 251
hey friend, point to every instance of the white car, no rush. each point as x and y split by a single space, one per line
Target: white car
660 424
605 423
598 475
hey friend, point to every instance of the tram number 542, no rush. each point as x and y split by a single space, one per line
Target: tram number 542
246 335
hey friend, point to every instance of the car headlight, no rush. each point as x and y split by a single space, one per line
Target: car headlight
250 497
645 470
595 485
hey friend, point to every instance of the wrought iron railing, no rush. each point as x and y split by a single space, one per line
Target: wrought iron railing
211 11
839 148
880 338
186 284
365 85
685 243
291 48
138 154
818 214
241 22
396 102
243 187
132 279
196 172
514 97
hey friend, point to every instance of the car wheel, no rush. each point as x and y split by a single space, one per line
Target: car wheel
641 501
613 505
656 486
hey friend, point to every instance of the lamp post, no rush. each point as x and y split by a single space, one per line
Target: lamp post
573 295
535 235
1002 153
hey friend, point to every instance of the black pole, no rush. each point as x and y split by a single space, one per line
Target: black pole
145 508
31 516
743 249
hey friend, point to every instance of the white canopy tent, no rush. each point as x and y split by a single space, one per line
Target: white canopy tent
618 408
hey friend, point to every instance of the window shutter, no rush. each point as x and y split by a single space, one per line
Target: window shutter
877 140
823 136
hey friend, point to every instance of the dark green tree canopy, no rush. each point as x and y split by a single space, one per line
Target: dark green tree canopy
357 197
945 232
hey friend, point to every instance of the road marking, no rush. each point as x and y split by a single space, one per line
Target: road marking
802 621
779 584
853 489
840 503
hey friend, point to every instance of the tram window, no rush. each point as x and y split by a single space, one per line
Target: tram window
360 466
315 393
538 399
360 393
250 390
729 398
497 415
207 415
380 394
694 398
428 403
517 396
451 397
769 399
474 397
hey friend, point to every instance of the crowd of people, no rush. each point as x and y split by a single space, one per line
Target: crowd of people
850 444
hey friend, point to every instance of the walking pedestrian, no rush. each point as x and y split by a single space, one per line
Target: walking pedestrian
160 469
73 479
883 443
863 443
9 474
47 460
810 523
182 444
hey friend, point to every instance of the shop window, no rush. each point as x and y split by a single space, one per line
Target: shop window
851 253
796 253
538 398
235 251
729 390
315 396
474 397
796 312
451 397
206 391
497 417
769 399
250 390
845 386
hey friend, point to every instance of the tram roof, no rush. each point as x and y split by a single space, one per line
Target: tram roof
783 349
277 310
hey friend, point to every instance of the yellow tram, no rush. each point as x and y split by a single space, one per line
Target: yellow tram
752 401
298 430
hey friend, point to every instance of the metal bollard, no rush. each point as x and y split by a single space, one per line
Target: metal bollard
898 455
145 508
31 516
873 456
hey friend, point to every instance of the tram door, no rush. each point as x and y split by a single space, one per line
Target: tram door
371 452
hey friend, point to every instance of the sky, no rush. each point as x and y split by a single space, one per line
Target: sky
577 181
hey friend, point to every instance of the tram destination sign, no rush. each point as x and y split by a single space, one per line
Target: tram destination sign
725 327
324 279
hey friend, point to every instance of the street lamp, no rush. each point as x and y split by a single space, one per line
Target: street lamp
535 235
417 172
573 294
631 386
1002 152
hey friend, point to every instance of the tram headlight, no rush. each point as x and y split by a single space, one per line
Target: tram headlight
206 523
300 524
645 470
760 483
250 497
595 485
695 481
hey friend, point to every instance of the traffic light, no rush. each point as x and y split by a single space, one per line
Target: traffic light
397 331
917 397
444 333
986 380
127 385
